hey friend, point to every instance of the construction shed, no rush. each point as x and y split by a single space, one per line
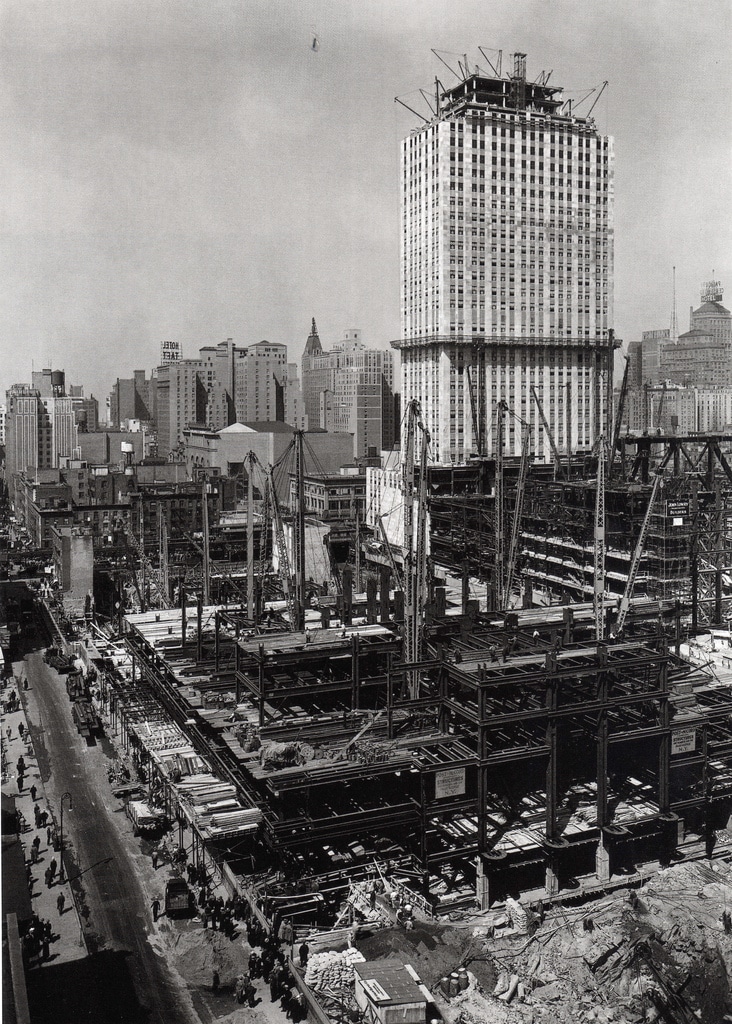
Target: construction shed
387 992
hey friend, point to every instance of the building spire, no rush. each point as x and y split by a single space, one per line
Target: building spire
312 345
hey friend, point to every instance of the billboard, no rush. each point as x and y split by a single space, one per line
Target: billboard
170 352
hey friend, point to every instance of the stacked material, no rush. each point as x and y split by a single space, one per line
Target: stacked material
214 807
331 969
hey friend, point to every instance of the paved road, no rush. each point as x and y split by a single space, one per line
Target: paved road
125 979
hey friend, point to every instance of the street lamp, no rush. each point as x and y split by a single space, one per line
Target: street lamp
61 877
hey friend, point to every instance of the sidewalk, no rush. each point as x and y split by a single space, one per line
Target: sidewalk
68 942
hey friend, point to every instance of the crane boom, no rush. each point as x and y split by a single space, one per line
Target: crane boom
518 511
285 570
498 509
545 423
620 410
599 587
637 555
477 433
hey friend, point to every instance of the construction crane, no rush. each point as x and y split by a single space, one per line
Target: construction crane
518 511
637 555
148 570
599 591
545 423
415 548
284 558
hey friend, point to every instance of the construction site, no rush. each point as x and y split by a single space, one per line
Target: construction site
517 723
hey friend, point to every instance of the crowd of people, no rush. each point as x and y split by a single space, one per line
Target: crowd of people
267 959
36 942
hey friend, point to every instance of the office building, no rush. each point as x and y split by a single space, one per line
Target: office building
350 388
506 265
130 399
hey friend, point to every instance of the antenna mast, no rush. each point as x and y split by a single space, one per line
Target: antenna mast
674 319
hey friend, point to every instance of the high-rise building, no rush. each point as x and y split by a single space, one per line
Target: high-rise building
130 399
40 430
225 385
350 388
180 401
506 265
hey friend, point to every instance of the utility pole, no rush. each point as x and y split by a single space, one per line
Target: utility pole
250 535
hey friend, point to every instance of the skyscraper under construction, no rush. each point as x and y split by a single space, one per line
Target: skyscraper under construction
506 265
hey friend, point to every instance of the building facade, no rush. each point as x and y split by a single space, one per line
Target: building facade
506 266
351 389
40 430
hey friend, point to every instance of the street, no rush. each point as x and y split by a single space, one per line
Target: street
124 979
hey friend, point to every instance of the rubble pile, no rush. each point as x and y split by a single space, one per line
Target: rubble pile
657 953
331 969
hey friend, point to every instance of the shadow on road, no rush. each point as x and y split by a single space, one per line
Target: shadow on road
97 990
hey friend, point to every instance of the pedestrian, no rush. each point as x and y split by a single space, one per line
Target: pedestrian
20 783
274 984
33 792
25 685
303 952
48 877
21 729
34 854
52 867
61 903
37 843
286 1003
20 765
8 733
155 905
49 836
45 948
37 815
44 819
155 860
216 983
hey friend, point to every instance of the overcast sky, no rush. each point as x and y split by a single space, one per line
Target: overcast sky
196 171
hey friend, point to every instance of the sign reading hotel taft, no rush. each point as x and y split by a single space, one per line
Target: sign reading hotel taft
170 352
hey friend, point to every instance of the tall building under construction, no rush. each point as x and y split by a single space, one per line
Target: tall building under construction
506 265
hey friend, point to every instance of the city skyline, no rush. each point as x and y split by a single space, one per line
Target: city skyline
202 174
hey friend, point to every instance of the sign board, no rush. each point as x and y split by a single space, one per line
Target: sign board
683 741
450 783
170 352
677 507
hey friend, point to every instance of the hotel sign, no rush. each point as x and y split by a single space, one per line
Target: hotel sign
170 352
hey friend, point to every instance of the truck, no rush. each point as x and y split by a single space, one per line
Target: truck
76 686
145 821
177 898
85 718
